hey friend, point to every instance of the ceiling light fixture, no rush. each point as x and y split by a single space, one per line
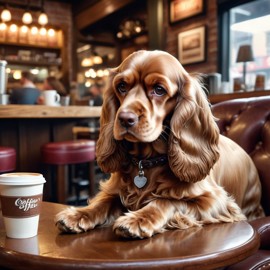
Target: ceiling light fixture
87 62
6 15
130 27
97 60
27 16
43 18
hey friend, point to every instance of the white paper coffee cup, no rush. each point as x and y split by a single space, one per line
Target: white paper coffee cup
21 197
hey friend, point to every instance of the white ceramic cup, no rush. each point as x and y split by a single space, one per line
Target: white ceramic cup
21 197
51 98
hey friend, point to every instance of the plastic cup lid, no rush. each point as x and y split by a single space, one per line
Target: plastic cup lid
21 178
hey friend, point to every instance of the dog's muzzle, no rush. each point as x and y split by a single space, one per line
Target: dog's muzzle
128 119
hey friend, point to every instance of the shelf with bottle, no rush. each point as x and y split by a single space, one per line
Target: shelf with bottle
28 55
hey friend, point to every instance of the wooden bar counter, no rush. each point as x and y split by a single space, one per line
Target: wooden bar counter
41 111
28 127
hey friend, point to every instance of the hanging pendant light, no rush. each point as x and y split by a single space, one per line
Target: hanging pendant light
97 60
43 18
6 15
27 16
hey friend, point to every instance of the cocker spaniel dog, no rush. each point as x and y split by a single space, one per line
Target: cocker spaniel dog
170 168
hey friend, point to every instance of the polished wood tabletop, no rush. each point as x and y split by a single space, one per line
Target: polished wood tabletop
209 247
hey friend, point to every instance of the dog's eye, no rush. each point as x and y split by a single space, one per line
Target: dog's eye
122 87
159 90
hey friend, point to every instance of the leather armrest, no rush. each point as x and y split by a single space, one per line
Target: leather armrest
262 226
259 261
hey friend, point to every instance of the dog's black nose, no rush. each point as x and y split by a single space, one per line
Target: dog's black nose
127 119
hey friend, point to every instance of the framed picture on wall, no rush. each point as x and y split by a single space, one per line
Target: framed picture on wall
192 46
183 9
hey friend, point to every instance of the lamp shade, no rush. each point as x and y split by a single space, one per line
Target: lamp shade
43 18
6 15
27 18
245 54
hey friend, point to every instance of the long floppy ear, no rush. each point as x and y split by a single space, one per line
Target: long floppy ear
193 142
110 153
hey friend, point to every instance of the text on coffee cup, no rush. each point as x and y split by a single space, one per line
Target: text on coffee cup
21 207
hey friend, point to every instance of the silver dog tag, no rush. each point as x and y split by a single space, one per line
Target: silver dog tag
140 180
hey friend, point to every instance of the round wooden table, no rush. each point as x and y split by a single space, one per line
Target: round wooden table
209 247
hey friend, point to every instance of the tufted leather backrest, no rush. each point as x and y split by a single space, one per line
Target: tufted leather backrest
247 122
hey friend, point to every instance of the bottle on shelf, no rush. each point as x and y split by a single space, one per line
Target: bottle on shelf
3 83
3 80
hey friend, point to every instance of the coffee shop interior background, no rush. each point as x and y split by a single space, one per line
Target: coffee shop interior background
82 40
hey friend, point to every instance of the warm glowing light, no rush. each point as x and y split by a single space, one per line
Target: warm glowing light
43 19
17 75
34 30
51 32
92 73
6 15
138 29
97 60
27 18
119 35
87 62
106 72
110 56
13 28
87 84
24 29
83 48
87 74
42 31
3 26
34 71
100 73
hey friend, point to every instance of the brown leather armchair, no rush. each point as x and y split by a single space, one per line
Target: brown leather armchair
247 122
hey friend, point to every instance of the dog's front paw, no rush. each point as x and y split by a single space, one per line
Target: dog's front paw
133 225
72 220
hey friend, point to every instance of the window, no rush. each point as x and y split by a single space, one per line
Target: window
249 24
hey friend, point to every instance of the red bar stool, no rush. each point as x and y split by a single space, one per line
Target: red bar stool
7 159
62 154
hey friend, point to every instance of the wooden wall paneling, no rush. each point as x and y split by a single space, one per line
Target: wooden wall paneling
61 129
8 132
33 133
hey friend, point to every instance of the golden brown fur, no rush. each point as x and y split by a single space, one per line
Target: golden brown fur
153 106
